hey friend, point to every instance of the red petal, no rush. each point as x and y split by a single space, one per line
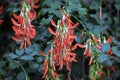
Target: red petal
42 53
35 6
100 73
113 68
90 62
75 25
33 32
15 28
1 21
68 66
61 64
45 72
14 22
15 38
53 23
94 77
72 36
54 74
100 15
36 1
86 51
88 54
15 16
109 40
81 46
99 47
28 42
63 22
22 45
95 39
68 22
51 31
74 47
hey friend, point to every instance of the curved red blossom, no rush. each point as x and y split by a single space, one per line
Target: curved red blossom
33 3
109 40
42 53
51 31
77 45
53 23
95 39
90 62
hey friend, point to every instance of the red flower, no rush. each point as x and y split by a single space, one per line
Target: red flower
1 21
24 30
1 8
33 3
95 39
53 23
109 40
61 53
90 62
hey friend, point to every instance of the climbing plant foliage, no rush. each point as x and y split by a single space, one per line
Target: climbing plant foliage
47 39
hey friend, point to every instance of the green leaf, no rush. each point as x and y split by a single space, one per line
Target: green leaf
35 52
39 59
10 56
34 65
28 50
78 39
116 50
117 6
96 31
103 57
2 72
58 78
13 65
105 47
19 52
108 62
45 21
40 69
74 5
21 76
26 57
9 78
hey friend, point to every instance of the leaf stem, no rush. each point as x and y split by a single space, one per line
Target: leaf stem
17 62
80 23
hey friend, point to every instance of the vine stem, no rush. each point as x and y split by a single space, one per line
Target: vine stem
80 23
17 62
115 59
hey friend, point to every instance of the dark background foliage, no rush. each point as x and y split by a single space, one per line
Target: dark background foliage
87 11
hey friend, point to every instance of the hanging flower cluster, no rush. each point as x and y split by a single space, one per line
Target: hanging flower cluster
24 30
91 43
93 47
61 52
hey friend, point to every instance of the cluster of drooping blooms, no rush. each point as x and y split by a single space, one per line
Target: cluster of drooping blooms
94 55
91 43
24 30
61 52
